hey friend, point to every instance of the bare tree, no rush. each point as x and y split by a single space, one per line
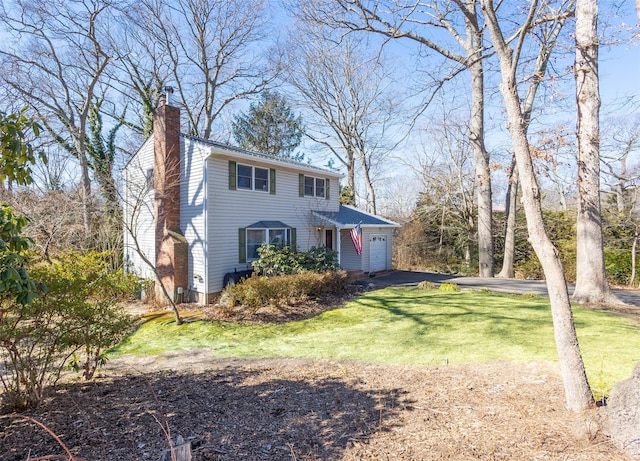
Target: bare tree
422 23
348 92
54 62
448 185
546 34
591 277
138 199
621 142
578 393
511 211
214 51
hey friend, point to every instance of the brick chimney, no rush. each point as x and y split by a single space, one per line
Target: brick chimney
171 245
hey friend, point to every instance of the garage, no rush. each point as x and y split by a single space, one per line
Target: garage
378 253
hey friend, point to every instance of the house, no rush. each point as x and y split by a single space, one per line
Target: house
198 210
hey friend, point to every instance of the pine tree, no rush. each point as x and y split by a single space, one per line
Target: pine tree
270 127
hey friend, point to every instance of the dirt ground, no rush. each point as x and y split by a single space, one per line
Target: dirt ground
295 409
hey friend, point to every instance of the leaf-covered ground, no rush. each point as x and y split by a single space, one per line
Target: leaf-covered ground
276 409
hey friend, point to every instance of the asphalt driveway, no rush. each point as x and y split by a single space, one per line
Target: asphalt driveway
412 278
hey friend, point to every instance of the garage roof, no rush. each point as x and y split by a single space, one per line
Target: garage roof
348 216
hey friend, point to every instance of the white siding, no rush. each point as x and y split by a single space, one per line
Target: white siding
230 210
352 262
192 210
349 260
139 209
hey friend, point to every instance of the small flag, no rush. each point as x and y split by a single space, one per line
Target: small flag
356 238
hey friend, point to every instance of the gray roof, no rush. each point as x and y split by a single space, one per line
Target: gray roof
258 155
348 216
268 225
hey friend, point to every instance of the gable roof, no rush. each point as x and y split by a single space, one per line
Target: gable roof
348 216
225 150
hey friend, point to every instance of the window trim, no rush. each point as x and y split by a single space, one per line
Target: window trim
315 179
266 238
269 177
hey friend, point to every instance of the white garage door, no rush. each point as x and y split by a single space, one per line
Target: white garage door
378 253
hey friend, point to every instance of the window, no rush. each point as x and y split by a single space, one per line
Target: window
256 237
252 178
245 177
149 178
262 179
319 187
309 186
314 187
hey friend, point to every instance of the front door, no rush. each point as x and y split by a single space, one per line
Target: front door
328 238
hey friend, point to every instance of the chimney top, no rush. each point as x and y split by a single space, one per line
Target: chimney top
165 96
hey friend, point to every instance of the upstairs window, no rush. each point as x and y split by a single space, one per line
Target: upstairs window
261 179
247 177
314 187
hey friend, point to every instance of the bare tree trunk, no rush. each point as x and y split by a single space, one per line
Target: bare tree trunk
508 258
634 248
442 218
371 193
591 277
483 175
578 393
85 186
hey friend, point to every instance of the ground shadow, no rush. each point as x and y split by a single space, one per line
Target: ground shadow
228 414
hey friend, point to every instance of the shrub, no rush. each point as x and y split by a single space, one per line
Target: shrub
449 287
618 264
259 291
282 260
426 285
319 259
73 322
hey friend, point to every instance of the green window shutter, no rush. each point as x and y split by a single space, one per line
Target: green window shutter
301 185
232 175
272 181
242 245
292 243
327 188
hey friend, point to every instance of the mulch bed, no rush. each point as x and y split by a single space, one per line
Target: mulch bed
232 409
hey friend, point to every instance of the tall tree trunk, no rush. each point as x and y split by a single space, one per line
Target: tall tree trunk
634 249
85 181
591 277
371 193
483 174
509 256
578 393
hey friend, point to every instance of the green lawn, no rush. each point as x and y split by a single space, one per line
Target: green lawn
410 326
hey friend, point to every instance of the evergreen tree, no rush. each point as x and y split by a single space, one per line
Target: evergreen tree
270 127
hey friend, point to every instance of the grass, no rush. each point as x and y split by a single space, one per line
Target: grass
416 327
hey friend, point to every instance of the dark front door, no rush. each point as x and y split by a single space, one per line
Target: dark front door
328 238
